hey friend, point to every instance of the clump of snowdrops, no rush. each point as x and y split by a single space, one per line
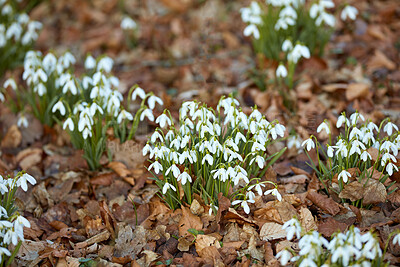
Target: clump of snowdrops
289 30
344 249
11 222
86 106
213 151
349 157
130 28
17 35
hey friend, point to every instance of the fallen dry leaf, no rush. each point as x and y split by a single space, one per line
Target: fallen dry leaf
357 90
325 203
188 221
272 231
307 220
12 139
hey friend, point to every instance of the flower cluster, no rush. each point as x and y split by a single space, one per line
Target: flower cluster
11 222
278 25
344 249
353 149
17 34
89 104
213 151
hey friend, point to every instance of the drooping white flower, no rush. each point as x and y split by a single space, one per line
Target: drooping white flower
244 204
389 128
22 121
274 192
90 62
124 115
308 144
365 155
342 119
298 52
287 46
324 126
147 113
184 177
344 175
389 168
292 227
128 23
260 161
10 82
349 12
156 166
152 101
60 107
284 255
163 120
138 92
168 186
281 71
396 239
22 181
69 123
252 29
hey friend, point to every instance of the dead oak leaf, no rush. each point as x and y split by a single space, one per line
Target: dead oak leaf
353 191
188 221
307 220
325 203
119 168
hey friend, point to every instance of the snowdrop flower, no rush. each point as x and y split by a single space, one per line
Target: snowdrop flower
124 115
344 175
309 144
389 128
128 24
349 12
90 62
260 161
22 181
292 227
147 113
324 126
60 107
49 63
389 168
281 71
152 101
274 192
365 155
69 123
284 256
208 158
156 135
355 117
327 18
287 46
342 119
156 166
10 82
2 98
298 51
22 121
168 186
396 239
257 187
184 177
163 120
244 204
138 92
175 171
210 210
294 141
252 30
105 64
330 151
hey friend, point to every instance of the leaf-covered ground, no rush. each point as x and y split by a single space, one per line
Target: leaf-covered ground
190 49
